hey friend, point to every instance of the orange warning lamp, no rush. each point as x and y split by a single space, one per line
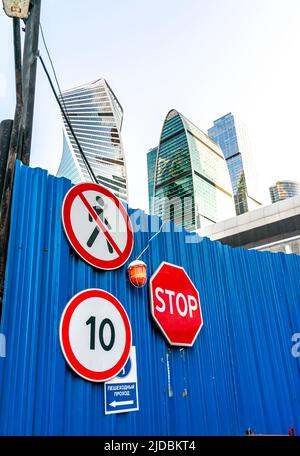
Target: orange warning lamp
137 272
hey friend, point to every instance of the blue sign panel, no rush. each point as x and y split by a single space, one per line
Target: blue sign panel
121 392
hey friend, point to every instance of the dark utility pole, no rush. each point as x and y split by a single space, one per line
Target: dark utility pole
21 132
5 134
29 76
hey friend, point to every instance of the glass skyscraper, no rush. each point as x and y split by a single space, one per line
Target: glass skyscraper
96 117
283 190
232 136
151 161
191 183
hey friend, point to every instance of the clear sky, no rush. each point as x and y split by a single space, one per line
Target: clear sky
202 57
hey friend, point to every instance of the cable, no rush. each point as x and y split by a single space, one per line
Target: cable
53 69
151 239
88 166
63 109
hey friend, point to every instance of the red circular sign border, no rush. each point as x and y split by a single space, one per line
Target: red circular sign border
66 220
175 344
71 359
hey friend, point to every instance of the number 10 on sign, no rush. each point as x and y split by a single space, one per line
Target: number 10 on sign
95 335
107 347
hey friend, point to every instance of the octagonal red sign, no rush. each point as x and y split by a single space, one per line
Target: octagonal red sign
175 304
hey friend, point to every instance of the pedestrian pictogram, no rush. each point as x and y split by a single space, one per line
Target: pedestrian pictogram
97 226
99 211
95 335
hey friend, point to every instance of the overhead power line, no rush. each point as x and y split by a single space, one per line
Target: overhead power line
90 171
62 106
53 69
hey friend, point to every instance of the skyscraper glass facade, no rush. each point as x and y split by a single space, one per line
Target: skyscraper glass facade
283 190
192 185
151 161
232 136
96 117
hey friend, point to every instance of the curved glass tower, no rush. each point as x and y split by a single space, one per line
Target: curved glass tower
96 117
192 184
283 190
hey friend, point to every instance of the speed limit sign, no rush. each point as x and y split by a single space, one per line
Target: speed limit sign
95 335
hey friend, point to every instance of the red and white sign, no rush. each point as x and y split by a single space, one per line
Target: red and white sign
95 335
97 226
175 304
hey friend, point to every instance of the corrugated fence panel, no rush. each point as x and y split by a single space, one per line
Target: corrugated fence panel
239 373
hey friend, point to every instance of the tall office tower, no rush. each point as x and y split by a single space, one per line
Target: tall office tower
283 190
192 184
96 117
232 136
151 161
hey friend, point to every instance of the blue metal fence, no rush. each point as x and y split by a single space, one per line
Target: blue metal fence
239 373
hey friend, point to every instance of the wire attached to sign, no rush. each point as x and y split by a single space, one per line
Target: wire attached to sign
151 239
137 269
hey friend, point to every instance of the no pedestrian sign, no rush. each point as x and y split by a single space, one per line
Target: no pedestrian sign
95 335
97 226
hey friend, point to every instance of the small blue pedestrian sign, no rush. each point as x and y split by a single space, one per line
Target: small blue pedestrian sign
121 392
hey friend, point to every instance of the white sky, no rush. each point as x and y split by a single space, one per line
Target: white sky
202 57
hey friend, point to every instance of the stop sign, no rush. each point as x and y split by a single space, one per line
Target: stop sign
175 304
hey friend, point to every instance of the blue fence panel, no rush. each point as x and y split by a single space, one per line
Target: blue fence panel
239 373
